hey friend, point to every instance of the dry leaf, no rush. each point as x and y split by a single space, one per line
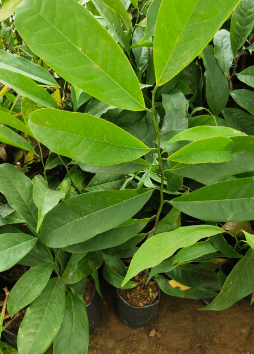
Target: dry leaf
3 154
175 284
235 228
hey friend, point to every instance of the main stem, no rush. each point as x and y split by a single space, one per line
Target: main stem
159 160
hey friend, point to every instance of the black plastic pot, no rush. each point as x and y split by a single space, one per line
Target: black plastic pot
136 317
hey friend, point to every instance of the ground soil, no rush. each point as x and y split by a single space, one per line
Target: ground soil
88 293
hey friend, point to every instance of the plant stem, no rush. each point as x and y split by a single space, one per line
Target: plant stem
42 162
68 173
53 261
159 159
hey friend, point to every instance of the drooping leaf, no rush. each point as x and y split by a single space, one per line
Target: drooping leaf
197 250
18 190
8 9
73 336
239 283
223 50
26 87
84 53
13 247
186 28
13 122
90 214
43 319
29 287
217 87
8 136
223 201
162 246
27 68
151 17
239 119
245 99
44 198
91 140
242 23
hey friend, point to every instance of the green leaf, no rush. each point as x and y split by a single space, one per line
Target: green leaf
197 250
105 182
164 245
37 255
247 76
249 238
44 198
245 99
14 218
223 201
242 23
90 214
85 55
8 9
176 108
13 247
18 190
90 140
221 245
170 222
27 87
217 87
119 8
214 150
27 107
115 279
187 28
223 50
8 136
151 17
27 68
29 287
73 336
13 122
110 238
43 319
239 119
239 283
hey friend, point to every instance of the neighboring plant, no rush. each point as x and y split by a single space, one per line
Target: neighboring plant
127 120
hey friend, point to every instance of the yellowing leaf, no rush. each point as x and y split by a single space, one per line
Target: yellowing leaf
175 284
57 96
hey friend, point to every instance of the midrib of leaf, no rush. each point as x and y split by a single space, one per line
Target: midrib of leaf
88 58
17 245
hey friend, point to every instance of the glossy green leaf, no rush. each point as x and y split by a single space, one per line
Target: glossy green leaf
245 99
239 283
29 287
217 87
221 245
247 76
119 8
90 140
14 218
239 119
90 214
223 201
164 245
187 28
249 239
73 336
214 150
72 270
8 9
37 255
197 250
27 68
27 87
105 182
191 293
223 50
115 279
151 17
44 198
13 122
110 238
82 51
43 319
170 222
242 23
18 190
8 136
13 247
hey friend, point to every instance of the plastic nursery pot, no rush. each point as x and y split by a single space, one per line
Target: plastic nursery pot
136 317
94 311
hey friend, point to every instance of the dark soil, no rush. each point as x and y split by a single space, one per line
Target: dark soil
88 293
141 295
15 272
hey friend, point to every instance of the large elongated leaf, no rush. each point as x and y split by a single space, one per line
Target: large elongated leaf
25 67
73 336
224 201
241 23
164 245
152 14
102 182
8 9
223 50
8 136
239 283
245 99
81 51
90 140
27 87
90 214
43 319
13 122
197 250
29 287
18 190
186 28
247 76
217 88
239 119
13 247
